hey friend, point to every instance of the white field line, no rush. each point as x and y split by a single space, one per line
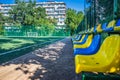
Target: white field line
24 48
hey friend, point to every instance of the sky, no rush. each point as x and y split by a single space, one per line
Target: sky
74 4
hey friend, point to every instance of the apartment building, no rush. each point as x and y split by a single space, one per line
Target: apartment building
5 8
55 10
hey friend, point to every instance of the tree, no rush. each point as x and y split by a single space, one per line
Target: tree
103 10
39 16
17 1
17 13
73 19
30 16
2 19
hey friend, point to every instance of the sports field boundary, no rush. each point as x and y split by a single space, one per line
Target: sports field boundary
26 47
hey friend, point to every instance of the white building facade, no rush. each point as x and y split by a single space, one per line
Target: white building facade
5 8
55 10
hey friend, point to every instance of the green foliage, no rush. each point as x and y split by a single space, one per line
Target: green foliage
99 11
73 19
17 1
22 13
1 29
2 19
53 21
28 15
108 6
118 10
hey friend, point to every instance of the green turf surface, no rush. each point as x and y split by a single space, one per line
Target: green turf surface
13 43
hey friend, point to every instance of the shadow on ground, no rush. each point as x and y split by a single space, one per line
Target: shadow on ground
53 62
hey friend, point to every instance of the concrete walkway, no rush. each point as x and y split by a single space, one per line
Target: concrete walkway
53 62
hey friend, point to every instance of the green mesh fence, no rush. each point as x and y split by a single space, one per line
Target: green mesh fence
32 31
99 11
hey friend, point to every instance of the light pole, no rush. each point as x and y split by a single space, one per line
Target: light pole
94 13
85 14
114 9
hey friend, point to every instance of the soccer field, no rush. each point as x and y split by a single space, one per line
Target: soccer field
12 47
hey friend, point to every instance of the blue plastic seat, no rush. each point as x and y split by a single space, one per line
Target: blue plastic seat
118 23
95 29
92 49
105 29
109 27
77 38
104 25
83 41
74 38
117 27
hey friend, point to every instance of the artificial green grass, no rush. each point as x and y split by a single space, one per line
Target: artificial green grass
11 43
17 43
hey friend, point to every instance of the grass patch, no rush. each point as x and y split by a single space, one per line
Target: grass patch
17 43
11 43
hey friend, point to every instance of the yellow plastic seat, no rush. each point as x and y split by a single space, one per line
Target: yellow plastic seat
107 59
86 44
111 24
117 28
91 30
99 29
